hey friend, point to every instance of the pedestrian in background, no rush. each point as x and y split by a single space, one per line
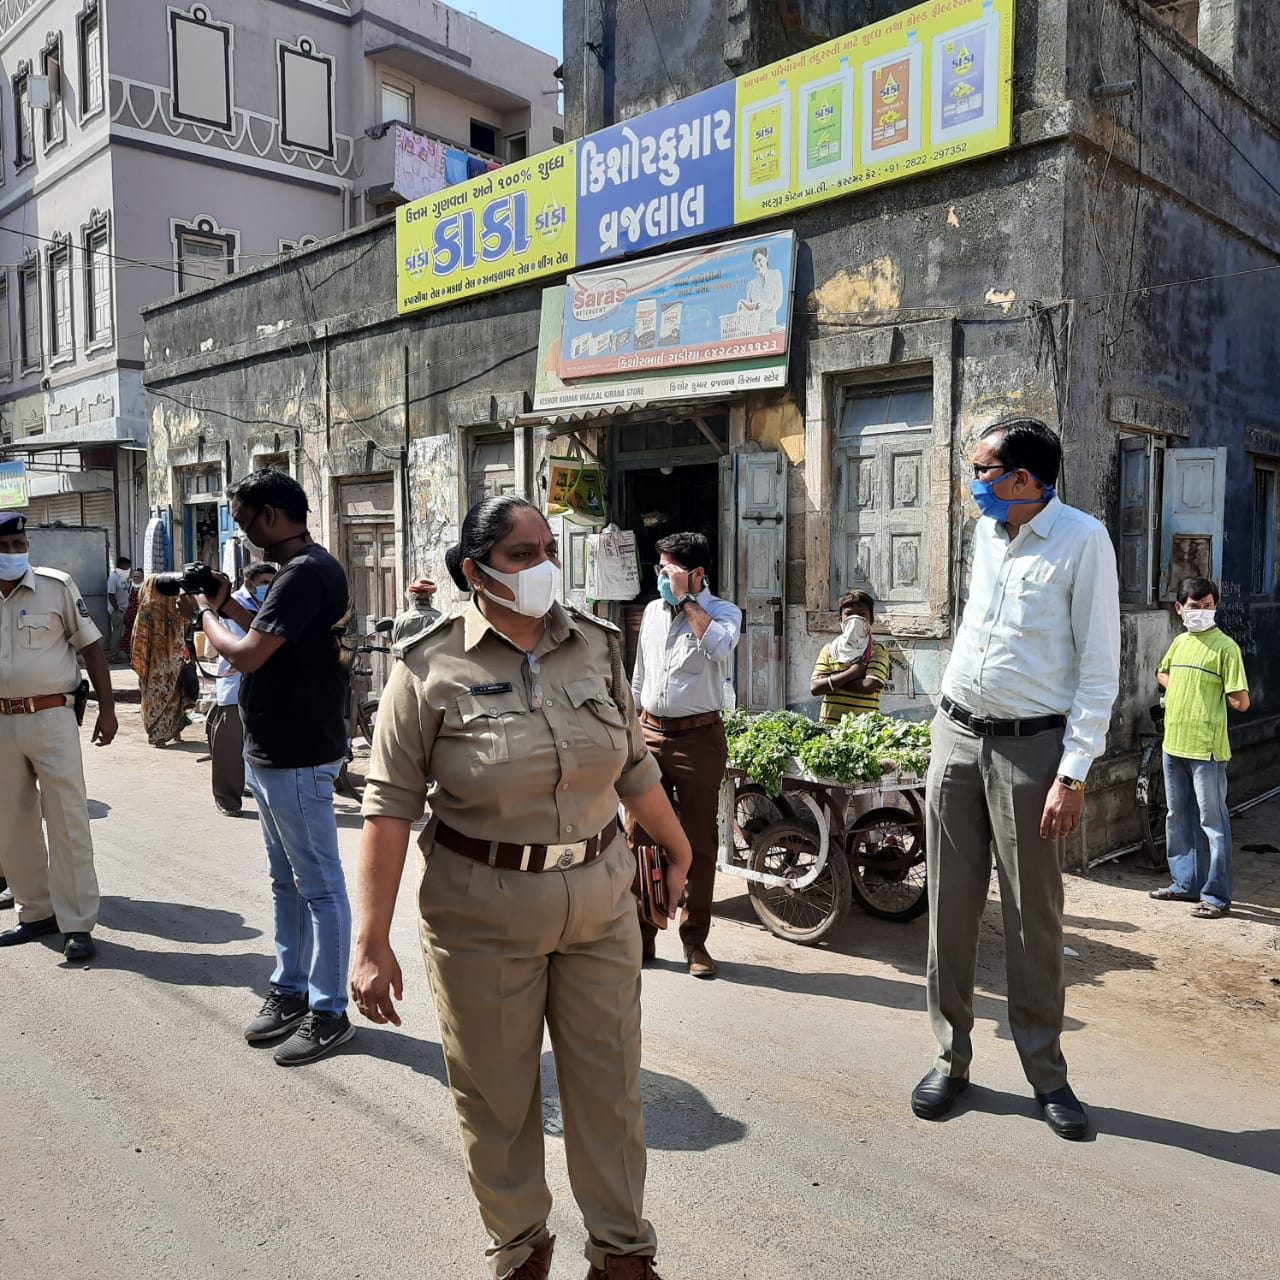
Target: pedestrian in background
851 671
420 614
131 614
687 639
44 623
293 695
1202 675
515 722
117 607
1026 700
157 652
223 725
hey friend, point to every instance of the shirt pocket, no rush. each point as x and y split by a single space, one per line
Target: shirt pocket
39 630
596 715
1038 607
490 724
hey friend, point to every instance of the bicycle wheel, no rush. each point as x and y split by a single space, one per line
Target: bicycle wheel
753 811
1153 807
366 717
886 864
798 915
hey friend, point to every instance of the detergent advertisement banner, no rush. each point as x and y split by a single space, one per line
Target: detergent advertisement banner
699 306
922 90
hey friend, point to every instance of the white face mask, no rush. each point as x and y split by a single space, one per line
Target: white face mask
1199 619
536 588
852 643
14 565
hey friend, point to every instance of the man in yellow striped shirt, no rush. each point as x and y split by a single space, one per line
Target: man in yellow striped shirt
850 688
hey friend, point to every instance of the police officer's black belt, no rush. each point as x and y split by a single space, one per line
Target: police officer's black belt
986 727
527 857
29 706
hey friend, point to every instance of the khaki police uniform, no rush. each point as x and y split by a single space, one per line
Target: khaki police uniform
43 624
515 752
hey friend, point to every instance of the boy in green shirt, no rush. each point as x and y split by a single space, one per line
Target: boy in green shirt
849 684
1203 675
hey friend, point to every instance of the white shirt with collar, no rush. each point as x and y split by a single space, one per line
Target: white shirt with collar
228 678
676 672
1041 629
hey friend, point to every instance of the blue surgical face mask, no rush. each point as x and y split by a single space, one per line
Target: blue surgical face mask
14 565
666 590
991 504
260 593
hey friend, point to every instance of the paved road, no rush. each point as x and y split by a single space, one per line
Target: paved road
143 1138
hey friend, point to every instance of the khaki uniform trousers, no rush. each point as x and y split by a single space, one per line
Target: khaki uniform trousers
983 791
506 952
59 880
692 764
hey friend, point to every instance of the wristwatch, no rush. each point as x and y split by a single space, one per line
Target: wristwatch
687 598
202 610
1071 784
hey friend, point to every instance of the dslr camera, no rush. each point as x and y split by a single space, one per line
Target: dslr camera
194 579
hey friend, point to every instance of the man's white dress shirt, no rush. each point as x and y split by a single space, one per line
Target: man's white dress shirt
1041 629
676 673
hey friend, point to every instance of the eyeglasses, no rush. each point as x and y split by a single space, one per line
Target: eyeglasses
979 468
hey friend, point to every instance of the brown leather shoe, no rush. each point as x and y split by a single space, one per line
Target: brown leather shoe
537 1266
701 965
631 1268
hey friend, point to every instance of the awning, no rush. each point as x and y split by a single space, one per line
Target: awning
125 432
565 421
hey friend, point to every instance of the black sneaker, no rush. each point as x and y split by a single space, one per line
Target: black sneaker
280 1012
319 1035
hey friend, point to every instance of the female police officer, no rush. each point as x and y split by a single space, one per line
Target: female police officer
517 719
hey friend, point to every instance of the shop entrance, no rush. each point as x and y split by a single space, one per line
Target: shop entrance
668 481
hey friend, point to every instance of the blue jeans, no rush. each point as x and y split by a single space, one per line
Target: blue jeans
1198 829
312 914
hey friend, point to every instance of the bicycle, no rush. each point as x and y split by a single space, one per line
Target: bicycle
361 717
1149 791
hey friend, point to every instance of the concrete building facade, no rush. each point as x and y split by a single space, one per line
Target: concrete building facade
1112 272
147 149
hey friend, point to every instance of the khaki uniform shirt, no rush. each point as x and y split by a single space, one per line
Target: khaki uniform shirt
44 623
507 746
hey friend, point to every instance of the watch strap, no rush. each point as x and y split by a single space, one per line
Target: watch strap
1071 784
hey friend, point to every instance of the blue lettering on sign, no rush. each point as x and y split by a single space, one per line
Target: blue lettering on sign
661 177
459 242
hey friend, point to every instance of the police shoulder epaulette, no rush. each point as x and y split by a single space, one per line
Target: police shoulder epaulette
56 574
439 625
591 617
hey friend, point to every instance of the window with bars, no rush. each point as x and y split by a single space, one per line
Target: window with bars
91 96
55 117
6 338
29 316
1264 531
61 328
24 132
97 280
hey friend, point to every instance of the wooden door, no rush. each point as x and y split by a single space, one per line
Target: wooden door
760 493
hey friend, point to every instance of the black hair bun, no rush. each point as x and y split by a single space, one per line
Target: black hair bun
453 562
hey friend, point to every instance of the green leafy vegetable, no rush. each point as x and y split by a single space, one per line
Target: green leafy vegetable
762 746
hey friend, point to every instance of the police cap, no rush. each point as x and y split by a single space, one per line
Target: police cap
12 522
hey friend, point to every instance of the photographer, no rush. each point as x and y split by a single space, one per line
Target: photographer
292 695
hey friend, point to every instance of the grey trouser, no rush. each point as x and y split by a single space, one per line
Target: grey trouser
983 791
226 745
115 632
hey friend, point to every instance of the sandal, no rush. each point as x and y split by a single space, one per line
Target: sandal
1207 912
1172 895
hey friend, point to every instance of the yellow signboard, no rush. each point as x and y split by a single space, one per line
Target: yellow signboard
510 226
918 91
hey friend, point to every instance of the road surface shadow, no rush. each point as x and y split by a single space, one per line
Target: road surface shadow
389 1045
98 809
176 921
1254 1149
243 970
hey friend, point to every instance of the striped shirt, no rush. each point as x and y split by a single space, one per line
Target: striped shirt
845 702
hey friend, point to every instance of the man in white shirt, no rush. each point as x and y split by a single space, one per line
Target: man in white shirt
117 604
687 639
1026 700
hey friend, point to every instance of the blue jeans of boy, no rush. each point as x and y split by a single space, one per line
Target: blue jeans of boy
312 914
1198 829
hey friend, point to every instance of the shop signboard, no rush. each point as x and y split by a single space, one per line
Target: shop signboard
552 393
915 92
13 485
698 306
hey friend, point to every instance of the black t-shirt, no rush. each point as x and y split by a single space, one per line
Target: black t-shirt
294 705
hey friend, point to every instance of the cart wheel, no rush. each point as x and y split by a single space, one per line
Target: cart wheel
886 859
753 810
798 915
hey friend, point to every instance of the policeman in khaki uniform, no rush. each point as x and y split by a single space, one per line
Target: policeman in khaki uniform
43 623
515 720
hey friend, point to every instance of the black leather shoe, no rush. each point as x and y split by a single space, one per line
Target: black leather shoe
28 932
936 1094
79 946
1064 1114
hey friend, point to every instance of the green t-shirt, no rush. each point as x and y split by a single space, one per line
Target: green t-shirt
1202 670
845 702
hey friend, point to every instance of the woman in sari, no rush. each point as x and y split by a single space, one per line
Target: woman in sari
156 654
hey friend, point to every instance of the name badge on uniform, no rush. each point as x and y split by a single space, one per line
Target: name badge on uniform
484 689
